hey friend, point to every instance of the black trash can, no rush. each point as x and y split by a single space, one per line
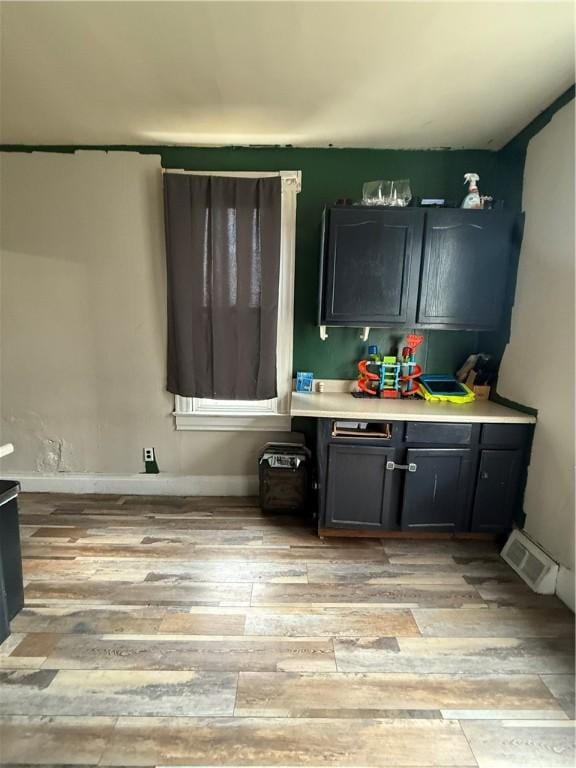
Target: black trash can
284 471
10 553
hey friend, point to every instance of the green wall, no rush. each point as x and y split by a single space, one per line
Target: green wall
329 174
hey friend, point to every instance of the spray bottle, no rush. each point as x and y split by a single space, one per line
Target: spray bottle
472 199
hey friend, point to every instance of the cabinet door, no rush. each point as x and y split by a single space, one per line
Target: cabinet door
4 621
466 269
497 490
371 267
435 493
361 493
11 557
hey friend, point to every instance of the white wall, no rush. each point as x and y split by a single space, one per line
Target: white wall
83 323
538 365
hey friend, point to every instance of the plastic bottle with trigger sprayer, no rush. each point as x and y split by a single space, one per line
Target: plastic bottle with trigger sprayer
472 199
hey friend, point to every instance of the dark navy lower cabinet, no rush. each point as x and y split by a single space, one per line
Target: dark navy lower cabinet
361 493
4 620
409 478
498 486
11 581
435 492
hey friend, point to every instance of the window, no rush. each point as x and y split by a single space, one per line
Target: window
193 413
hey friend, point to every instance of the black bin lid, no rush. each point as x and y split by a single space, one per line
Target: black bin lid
284 449
9 490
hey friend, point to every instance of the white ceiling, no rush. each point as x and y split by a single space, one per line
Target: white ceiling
351 74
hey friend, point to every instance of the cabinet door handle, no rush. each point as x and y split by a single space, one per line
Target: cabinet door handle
390 465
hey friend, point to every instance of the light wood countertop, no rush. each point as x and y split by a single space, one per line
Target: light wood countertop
343 405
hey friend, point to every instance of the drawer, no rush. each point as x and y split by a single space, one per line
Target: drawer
509 435
439 433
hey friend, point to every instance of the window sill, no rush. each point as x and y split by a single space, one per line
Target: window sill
230 423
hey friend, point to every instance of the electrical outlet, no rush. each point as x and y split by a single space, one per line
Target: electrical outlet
150 466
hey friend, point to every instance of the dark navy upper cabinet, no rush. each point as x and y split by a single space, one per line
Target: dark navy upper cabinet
467 269
442 268
370 266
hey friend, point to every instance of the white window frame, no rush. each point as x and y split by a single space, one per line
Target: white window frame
194 413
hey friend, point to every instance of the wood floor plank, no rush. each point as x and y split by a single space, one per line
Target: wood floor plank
217 573
503 714
287 742
563 688
8 661
70 551
176 572
521 743
96 693
463 655
154 535
57 570
204 623
95 620
306 537
41 740
454 547
500 622
517 595
127 592
357 594
188 502
59 532
417 573
354 552
304 695
38 644
179 652
416 578
182 521
171 550
330 622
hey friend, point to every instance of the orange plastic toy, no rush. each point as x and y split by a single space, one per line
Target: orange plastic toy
368 380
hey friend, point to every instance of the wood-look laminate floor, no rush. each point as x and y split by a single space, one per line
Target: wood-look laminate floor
201 632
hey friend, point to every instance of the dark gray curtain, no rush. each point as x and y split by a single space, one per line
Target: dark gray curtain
223 261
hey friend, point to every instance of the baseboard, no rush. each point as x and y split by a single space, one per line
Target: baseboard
162 484
565 587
